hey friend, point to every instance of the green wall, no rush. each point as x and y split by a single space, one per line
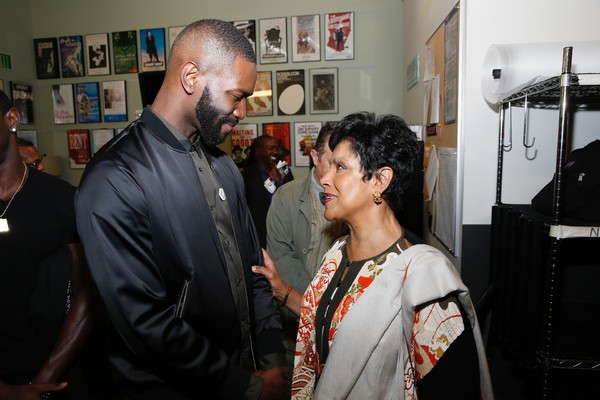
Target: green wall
372 81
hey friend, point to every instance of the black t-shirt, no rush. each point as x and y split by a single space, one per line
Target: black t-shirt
41 222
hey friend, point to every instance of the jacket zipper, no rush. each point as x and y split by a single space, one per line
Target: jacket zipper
182 299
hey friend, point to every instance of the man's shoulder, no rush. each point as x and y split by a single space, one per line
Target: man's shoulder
291 188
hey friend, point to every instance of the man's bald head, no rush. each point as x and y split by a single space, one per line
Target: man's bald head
213 44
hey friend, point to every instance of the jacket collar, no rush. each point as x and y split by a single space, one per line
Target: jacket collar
158 128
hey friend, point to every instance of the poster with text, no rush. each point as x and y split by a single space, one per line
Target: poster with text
71 56
339 43
46 58
87 97
261 101
305 135
273 40
152 47
22 98
281 132
125 52
306 37
79 147
98 58
63 106
115 101
242 137
100 137
290 92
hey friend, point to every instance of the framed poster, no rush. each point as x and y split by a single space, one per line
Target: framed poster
97 54
261 101
248 28
242 137
281 132
125 59
100 137
30 136
46 58
290 92
173 32
323 90
22 98
152 48
305 136
115 101
88 102
63 105
71 56
306 38
272 33
78 141
339 43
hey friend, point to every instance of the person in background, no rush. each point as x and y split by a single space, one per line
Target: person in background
46 296
263 175
170 240
30 154
382 318
297 233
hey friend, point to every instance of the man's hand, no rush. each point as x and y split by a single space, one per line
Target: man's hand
34 391
276 383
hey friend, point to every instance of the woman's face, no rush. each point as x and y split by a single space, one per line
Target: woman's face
346 194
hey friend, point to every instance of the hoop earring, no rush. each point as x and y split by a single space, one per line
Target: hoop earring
377 198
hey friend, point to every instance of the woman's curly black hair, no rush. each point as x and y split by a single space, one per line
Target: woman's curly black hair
381 141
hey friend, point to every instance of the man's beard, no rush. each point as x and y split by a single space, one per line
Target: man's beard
210 120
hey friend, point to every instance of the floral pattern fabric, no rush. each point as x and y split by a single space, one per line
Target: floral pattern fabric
436 325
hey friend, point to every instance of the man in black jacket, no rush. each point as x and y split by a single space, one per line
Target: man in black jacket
170 240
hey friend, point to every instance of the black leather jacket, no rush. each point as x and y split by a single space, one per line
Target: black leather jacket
155 255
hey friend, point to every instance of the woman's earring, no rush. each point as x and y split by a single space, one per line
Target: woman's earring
377 197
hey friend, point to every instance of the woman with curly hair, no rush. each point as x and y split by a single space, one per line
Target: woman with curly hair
384 317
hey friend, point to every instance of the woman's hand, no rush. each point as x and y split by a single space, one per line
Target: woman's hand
283 292
269 271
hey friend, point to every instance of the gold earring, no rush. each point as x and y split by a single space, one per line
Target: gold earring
377 197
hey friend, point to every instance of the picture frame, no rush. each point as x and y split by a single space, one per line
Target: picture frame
306 38
125 57
281 132
339 42
248 28
305 136
323 84
71 56
87 99
152 49
46 58
261 101
78 141
273 40
114 94
98 54
291 93
30 136
22 98
242 137
63 104
99 137
173 32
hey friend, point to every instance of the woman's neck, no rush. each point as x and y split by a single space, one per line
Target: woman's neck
371 238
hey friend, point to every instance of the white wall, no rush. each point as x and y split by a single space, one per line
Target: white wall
369 82
516 21
490 22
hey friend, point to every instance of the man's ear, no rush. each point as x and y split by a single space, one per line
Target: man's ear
191 77
315 156
13 118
